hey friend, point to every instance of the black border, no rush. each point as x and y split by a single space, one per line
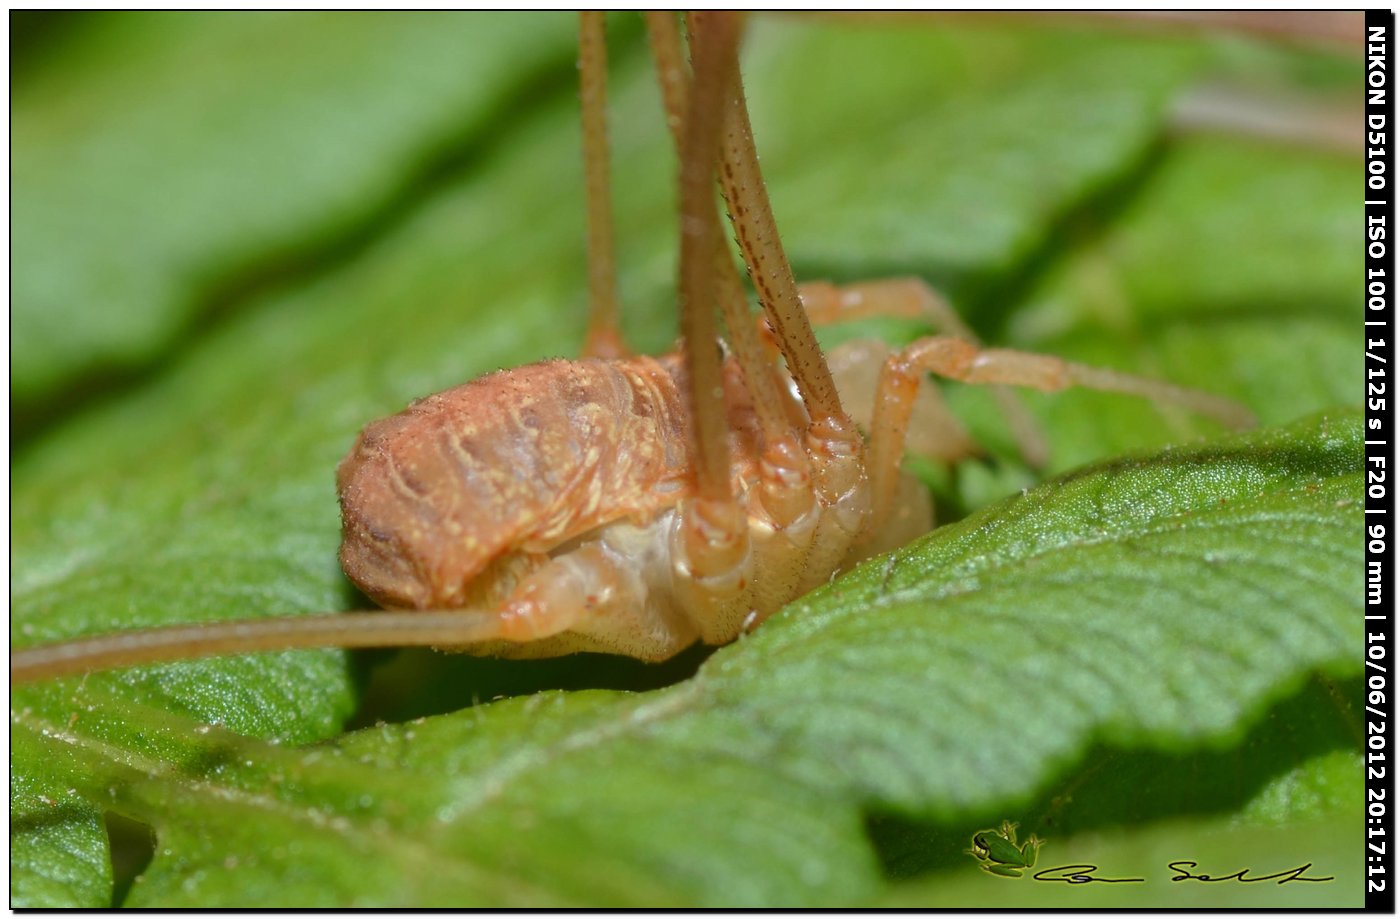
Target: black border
1380 505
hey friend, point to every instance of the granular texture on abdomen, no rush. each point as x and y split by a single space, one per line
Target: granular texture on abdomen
520 459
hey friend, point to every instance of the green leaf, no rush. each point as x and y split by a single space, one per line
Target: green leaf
1297 765
166 161
58 848
1111 570
1131 603
1121 607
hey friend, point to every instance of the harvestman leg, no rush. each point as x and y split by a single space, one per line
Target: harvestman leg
712 554
749 351
590 591
782 510
715 557
913 298
603 337
956 359
833 443
589 587
823 303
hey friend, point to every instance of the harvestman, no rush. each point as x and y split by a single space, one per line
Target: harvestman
633 504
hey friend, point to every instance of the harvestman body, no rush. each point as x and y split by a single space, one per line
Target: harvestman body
633 504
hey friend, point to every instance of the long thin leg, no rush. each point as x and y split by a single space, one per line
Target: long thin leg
934 431
913 298
833 443
551 600
742 183
956 359
699 238
908 298
711 549
664 34
387 629
782 510
603 337
668 54
756 230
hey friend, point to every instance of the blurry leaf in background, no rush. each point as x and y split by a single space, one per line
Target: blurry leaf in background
168 160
